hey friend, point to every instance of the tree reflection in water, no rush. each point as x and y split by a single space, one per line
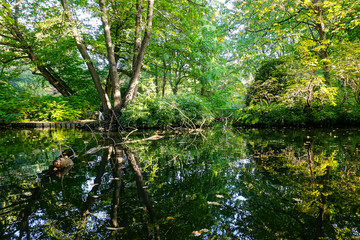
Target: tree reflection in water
246 184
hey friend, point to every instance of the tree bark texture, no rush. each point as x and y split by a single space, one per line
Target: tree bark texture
138 24
323 52
115 82
132 89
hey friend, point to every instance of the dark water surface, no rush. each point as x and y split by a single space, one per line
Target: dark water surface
213 184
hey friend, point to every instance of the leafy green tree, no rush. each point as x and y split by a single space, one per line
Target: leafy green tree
193 37
34 33
347 70
139 52
270 82
312 35
275 27
20 40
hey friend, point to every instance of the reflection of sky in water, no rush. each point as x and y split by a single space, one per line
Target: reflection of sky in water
237 197
102 215
235 200
88 185
33 223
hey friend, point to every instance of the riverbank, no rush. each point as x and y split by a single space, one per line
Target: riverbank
50 125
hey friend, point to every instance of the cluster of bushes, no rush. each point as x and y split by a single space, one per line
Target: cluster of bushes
282 115
283 93
280 95
16 107
19 105
176 110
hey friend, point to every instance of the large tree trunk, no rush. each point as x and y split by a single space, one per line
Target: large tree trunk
139 53
138 23
323 52
106 104
132 89
115 82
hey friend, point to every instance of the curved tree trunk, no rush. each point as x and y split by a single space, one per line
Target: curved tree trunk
323 53
132 89
115 82
106 104
138 23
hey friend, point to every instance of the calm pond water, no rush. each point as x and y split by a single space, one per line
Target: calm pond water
213 184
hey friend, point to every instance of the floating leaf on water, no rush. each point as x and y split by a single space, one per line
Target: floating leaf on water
114 179
155 137
198 233
114 229
214 203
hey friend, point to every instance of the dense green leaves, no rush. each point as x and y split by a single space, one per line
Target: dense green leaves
183 110
287 56
311 35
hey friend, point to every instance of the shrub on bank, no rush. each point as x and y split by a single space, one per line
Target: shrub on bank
282 115
21 107
175 110
270 115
